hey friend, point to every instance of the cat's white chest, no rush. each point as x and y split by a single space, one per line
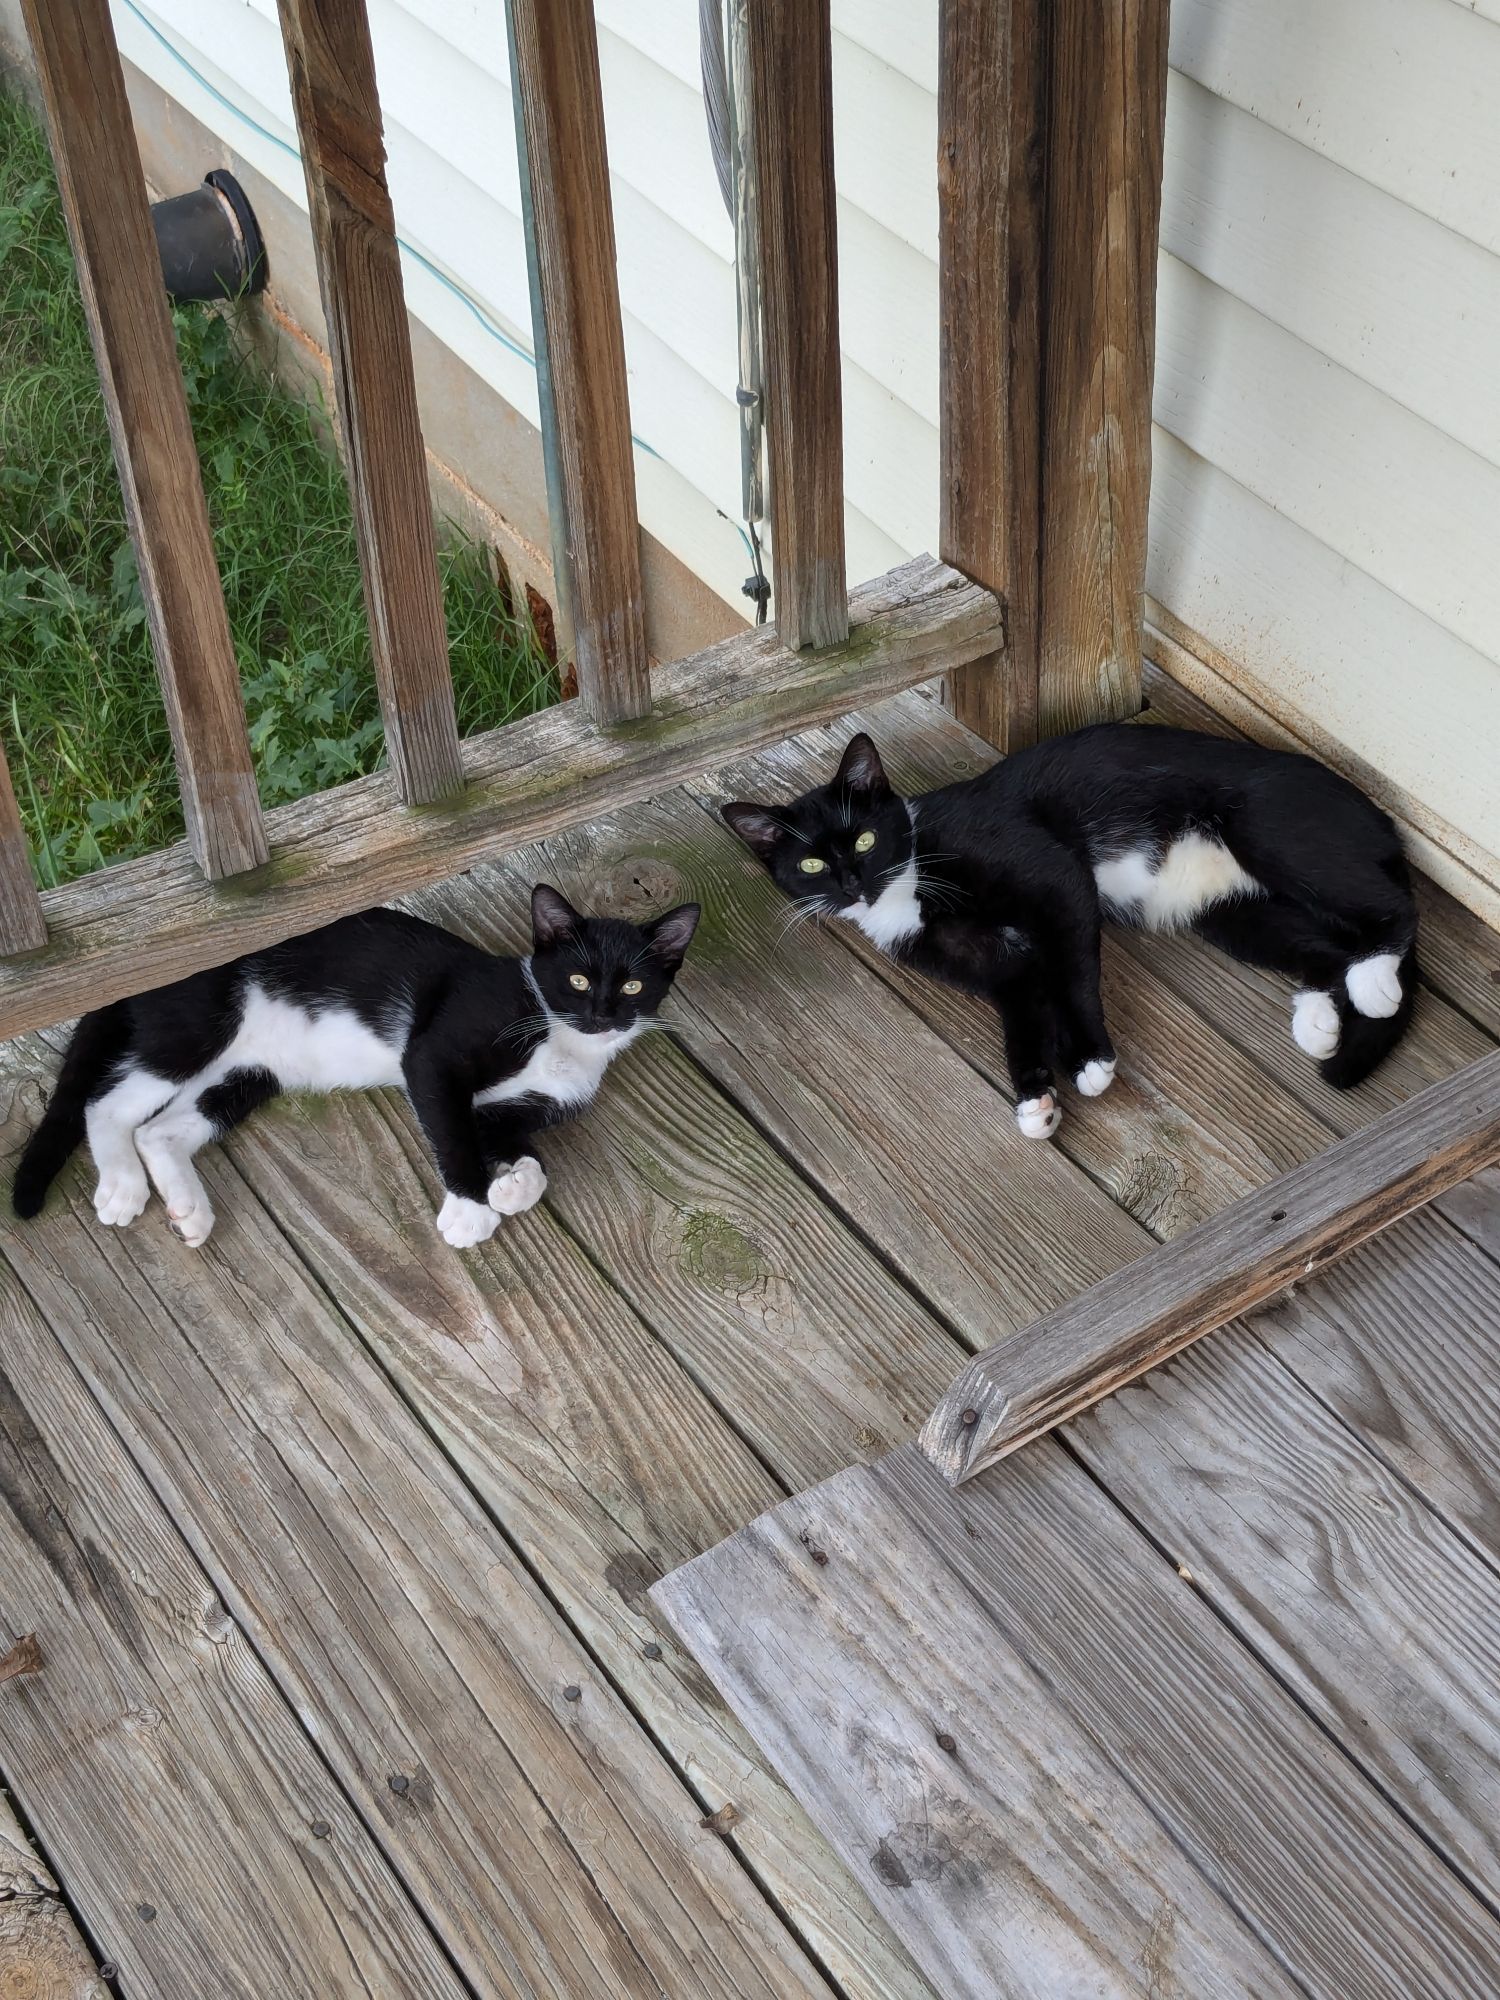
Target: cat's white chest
1168 891
568 1066
895 915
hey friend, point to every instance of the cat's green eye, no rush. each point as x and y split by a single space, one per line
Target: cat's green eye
578 983
631 986
811 865
865 842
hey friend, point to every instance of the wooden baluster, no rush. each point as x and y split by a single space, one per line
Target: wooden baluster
1104 162
22 926
580 350
119 271
992 114
791 92
332 69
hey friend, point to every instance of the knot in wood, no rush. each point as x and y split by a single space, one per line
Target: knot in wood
639 886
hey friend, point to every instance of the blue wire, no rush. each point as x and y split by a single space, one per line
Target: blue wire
495 333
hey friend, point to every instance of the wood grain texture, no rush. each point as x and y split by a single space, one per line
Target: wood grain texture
790 84
1382 1621
331 65
1136 1319
992 120
555 1402
119 274
348 848
1038 1611
42 1957
580 349
174 1788
554 1849
22 925
1104 156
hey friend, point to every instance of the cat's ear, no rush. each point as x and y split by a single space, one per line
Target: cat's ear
668 938
756 826
861 769
553 918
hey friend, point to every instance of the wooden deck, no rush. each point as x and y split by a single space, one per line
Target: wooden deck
338 1543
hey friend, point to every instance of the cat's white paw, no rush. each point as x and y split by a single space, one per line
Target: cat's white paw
1039 1117
190 1218
120 1197
1095 1077
520 1187
1315 1024
1375 985
463 1223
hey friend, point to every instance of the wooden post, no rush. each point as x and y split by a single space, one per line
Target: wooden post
119 272
22 926
1104 162
791 100
332 69
992 114
580 350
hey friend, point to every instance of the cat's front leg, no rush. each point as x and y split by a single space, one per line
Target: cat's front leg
1027 1018
443 1099
517 1178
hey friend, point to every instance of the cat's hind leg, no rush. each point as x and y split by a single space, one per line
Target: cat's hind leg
110 1121
167 1143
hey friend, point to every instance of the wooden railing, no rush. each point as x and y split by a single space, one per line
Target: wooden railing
1049 166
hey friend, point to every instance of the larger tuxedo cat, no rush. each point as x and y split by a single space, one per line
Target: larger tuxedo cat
999 884
489 1049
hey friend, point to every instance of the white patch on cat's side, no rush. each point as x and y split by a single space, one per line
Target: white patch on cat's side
1164 895
1375 985
519 1188
463 1223
1315 1024
330 1049
895 914
1039 1117
1095 1077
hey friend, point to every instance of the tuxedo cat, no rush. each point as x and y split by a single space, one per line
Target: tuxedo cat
490 1050
999 884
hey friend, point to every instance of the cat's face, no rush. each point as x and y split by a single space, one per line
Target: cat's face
837 847
600 974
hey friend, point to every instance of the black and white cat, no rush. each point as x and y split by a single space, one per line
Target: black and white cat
490 1051
999 885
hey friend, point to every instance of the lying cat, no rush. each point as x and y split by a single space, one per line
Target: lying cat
998 885
490 1050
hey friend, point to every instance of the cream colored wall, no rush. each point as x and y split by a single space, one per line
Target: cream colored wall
1327 405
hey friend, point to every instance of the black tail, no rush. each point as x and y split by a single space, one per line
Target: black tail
97 1041
1365 1043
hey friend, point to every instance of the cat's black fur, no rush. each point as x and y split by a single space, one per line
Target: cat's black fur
1010 907
456 1021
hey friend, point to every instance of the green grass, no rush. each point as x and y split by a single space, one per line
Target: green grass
80 711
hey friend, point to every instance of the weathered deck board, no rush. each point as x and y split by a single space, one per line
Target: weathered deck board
174 1788
546 1837
42 1957
1384 1623
1035 1563
1132 1321
558 1407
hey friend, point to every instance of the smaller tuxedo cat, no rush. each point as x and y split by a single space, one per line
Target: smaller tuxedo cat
999 885
490 1050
